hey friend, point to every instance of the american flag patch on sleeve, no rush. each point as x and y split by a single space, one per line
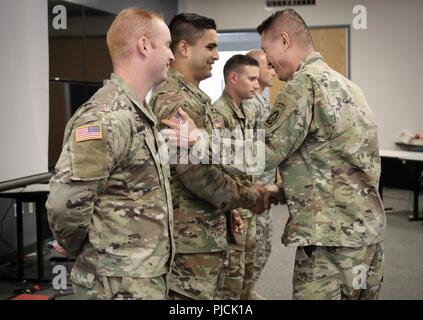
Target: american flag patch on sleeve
177 118
89 132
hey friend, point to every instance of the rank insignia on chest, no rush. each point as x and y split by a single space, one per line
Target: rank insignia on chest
88 132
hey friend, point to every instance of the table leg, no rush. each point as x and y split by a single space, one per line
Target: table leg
40 210
415 215
20 238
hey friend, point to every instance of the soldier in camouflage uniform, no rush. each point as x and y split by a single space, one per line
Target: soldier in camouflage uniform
323 136
200 213
260 108
241 75
110 203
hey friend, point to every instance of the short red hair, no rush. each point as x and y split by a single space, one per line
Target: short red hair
128 26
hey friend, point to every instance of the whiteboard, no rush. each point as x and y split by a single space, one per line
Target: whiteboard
24 102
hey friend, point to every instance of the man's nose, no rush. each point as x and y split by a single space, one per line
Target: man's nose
215 55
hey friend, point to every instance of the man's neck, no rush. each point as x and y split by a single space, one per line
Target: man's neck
139 86
302 55
236 100
185 70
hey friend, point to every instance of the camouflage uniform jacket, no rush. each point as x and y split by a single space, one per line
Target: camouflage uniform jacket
236 120
323 134
110 201
200 219
260 108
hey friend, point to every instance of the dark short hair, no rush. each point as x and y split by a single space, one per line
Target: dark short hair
268 22
188 27
292 23
237 61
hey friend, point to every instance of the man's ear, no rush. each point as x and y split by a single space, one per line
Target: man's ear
183 48
233 77
144 46
284 40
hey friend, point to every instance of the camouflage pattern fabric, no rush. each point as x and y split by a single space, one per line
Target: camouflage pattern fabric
237 121
239 271
200 219
264 234
110 202
260 109
238 280
120 288
323 136
196 276
202 195
334 273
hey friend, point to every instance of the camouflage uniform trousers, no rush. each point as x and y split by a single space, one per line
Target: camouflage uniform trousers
335 273
121 288
239 272
264 229
264 233
196 276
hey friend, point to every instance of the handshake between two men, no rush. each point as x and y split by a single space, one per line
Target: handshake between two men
185 133
266 196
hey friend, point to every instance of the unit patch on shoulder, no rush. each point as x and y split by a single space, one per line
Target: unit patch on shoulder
273 117
88 132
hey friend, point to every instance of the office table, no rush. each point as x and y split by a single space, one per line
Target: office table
32 193
403 170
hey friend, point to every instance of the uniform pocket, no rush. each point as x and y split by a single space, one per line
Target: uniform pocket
327 288
308 251
142 174
112 286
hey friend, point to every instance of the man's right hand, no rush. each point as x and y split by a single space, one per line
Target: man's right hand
274 195
261 205
59 249
237 224
181 133
266 196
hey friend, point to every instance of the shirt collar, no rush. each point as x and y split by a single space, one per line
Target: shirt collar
312 57
144 107
228 99
197 92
